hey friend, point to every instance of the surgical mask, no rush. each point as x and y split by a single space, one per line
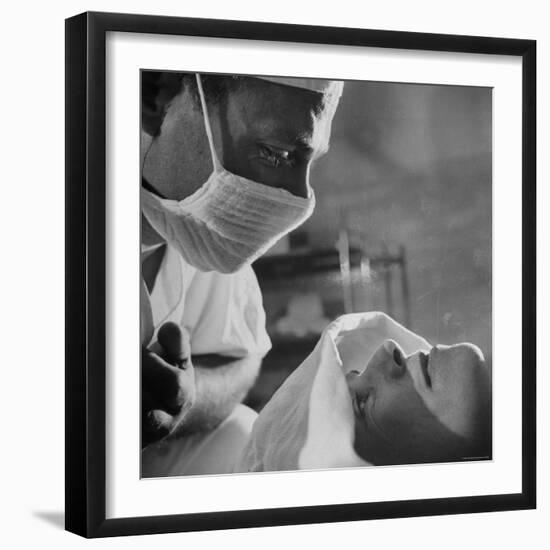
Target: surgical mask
228 222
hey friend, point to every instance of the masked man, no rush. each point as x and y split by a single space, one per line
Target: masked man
225 166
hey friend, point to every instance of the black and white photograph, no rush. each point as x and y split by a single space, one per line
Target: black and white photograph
274 275
302 273
316 274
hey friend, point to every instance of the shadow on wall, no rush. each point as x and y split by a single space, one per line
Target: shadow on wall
411 165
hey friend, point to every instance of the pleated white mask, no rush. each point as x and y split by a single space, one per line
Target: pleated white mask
228 222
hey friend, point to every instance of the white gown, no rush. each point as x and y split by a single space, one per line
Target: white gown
224 314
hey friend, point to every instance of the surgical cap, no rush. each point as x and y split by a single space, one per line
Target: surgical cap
331 88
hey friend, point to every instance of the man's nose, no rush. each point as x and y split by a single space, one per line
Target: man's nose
299 183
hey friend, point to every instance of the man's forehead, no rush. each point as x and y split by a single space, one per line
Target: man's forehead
269 92
296 116
288 130
331 89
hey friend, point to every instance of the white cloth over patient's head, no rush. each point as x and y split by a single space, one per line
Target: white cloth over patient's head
309 422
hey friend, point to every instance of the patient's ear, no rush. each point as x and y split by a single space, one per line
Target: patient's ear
157 91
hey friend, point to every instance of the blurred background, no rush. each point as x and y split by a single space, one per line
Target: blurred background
402 225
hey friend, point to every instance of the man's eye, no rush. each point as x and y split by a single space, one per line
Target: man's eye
276 157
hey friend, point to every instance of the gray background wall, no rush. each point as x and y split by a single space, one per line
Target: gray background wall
411 165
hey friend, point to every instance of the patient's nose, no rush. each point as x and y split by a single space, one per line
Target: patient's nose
397 364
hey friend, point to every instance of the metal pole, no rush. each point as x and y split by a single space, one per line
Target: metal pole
343 254
405 287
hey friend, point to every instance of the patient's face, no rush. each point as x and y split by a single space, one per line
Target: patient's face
421 408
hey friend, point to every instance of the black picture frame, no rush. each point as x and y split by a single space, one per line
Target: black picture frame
86 274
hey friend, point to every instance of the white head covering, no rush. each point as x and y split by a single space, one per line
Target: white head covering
331 88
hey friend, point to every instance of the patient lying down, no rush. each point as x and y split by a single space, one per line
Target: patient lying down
374 393
427 407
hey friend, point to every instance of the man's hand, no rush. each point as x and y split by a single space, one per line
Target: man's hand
167 384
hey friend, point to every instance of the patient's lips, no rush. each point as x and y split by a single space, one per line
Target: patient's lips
424 367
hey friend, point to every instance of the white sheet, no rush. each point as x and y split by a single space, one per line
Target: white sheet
309 422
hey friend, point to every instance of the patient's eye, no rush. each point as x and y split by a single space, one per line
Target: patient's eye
363 402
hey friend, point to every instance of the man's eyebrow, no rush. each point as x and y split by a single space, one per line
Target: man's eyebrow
283 142
302 143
